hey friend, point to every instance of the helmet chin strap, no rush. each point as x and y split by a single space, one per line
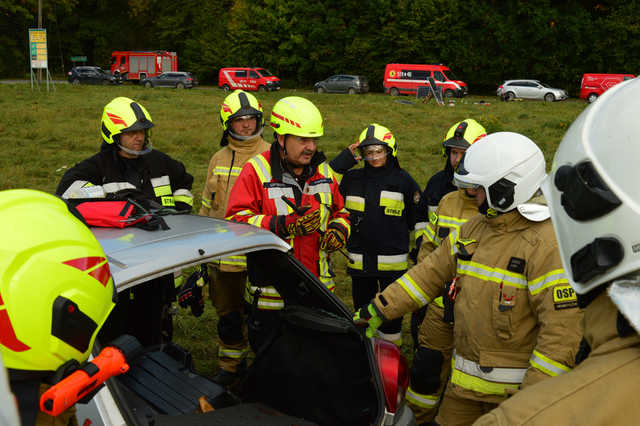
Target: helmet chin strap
287 165
245 138
132 152
486 210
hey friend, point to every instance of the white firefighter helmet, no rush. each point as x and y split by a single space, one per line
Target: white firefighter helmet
594 194
509 166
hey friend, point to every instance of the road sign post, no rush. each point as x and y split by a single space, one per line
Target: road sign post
38 58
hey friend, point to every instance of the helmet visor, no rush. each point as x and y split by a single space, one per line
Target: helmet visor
464 185
458 176
374 152
141 123
456 142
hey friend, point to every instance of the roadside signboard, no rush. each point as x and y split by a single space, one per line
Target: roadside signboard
38 47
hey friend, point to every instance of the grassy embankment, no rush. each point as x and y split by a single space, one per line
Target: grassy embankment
43 134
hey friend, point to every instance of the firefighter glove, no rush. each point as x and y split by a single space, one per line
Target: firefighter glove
190 294
305 224
333 239
370 317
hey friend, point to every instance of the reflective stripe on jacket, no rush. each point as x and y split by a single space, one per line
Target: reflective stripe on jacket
598 391
224 168
155 174
256 198
382 203
511 310
454 210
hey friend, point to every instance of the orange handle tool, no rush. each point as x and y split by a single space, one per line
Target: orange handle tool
110 362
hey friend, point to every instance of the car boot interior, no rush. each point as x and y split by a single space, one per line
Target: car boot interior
314 368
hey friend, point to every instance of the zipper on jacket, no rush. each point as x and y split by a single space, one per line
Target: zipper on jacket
233 157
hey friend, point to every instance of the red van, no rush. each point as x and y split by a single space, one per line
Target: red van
406 78
247 78
594 85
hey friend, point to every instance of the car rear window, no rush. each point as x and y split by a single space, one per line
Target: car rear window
241 73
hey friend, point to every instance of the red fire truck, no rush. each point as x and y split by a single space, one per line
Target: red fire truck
135 66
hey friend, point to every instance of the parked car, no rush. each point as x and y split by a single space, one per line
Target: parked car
247 78
318 367
177 79
90 75
343 83
594 85
529 89
405 79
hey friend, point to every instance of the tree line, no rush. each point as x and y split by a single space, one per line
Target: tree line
483 41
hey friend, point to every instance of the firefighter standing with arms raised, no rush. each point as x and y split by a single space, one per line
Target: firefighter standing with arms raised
242 120
431 364
593 193
509 331
382 199
295 171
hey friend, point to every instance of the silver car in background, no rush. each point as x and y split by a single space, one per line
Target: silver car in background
530 89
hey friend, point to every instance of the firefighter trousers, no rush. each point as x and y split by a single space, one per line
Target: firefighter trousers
456 411
227 295
431 364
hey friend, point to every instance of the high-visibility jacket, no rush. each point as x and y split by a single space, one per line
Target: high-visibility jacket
516 317
224 169
439 185
155 174
601 390
256 198
452 212
382 203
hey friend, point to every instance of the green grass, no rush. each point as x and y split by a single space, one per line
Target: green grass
42 134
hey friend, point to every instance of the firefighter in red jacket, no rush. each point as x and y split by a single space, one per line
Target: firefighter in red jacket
291 174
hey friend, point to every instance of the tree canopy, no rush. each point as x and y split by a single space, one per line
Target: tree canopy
484 42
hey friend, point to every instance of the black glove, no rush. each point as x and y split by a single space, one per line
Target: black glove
190 293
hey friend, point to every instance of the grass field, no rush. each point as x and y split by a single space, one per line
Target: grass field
43 134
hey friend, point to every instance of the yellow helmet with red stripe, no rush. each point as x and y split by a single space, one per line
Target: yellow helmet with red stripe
375 134
125 115
463 134
298 116
239 104
56 289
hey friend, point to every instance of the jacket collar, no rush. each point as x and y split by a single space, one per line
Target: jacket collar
244 147
510 221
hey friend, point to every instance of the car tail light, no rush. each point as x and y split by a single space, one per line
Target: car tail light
189 79
500 87
393 371
69 73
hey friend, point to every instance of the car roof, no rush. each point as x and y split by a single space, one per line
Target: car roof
136 255
522 79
